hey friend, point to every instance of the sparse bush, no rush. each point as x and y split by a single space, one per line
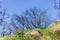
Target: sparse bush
19 33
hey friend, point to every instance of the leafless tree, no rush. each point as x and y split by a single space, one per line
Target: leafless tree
3 17
37 17
57 4
32 18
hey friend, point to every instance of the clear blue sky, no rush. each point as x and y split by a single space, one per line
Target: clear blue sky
18 6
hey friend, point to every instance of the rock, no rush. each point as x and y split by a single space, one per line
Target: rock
34 33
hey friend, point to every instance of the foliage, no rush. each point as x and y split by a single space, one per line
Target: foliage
19 33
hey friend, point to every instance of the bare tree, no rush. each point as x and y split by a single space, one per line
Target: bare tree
32 18
37 18
57 4
3 17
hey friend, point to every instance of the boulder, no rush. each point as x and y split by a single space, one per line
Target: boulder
34 33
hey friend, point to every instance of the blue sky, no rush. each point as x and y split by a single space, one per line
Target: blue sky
19 6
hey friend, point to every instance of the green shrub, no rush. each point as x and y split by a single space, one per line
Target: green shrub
17 36
57 34
19 33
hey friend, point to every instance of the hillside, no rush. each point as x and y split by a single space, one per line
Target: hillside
50 33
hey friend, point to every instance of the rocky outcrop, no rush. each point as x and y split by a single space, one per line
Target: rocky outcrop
34 33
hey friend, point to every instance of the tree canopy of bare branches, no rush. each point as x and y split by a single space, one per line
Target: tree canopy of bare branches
32 18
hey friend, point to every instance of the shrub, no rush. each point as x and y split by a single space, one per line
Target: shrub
19 33
57 34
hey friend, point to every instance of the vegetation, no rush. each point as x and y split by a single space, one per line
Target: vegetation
49 33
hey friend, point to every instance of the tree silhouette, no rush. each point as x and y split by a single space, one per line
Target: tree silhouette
37 17
3 17
57 4
32 18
